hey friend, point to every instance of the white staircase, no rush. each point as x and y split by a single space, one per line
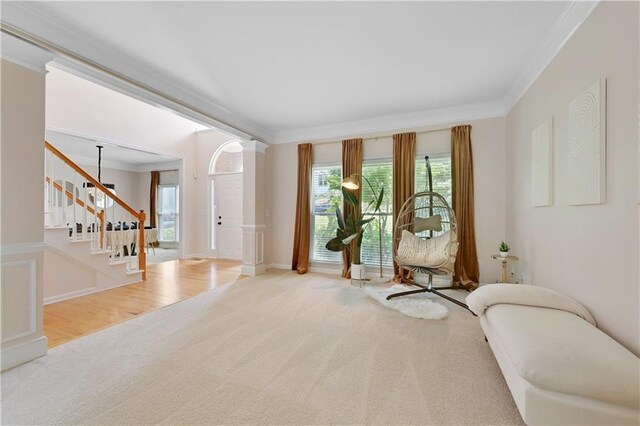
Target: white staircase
90 227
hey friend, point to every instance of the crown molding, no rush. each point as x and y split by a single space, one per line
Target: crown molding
25 54
28 18
392 123
561 31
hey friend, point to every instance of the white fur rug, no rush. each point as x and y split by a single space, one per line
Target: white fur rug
417 305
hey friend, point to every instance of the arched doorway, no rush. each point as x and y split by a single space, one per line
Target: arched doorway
225 172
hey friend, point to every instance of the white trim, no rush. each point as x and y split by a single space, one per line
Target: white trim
165 166
393 123
33 273
195 256
218 151
92 290
22 248
561 31
279 266
19 354
252 271
24 54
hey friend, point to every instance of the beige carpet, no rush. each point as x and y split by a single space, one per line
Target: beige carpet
275 349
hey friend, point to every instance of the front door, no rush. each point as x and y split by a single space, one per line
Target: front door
227 217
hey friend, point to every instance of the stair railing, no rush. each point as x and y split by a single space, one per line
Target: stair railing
77 201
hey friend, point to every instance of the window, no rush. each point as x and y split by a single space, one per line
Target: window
326 193
168 213
440 172
380 174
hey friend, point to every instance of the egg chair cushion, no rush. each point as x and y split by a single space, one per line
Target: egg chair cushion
437 252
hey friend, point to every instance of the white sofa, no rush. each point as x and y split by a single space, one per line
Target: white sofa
559 367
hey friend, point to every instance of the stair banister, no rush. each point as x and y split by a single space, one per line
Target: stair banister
138 215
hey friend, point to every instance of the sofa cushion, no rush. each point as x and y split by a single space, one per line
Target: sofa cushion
558 351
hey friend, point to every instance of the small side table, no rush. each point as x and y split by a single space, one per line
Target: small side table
505 261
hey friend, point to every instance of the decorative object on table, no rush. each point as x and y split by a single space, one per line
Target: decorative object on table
541 164
426 216
416 306
504 249
98 198
505 262
586 147
351 228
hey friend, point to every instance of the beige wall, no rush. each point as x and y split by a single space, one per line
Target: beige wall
126 182
488 138
587 252
21 212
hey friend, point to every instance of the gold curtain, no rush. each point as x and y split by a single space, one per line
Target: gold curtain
351 164
302 230
467 271
153 198
404 166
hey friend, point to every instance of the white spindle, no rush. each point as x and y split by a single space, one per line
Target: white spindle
73 206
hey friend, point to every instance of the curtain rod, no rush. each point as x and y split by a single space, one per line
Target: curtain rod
54 48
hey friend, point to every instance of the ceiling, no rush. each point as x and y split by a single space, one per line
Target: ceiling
281 68
83 151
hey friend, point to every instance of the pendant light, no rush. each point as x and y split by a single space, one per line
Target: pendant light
96 196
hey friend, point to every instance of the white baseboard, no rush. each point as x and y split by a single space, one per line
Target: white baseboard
279 266
69 295
253 270
195 256
83 292
19 354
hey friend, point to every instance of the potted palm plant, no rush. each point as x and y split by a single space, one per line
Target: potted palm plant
351 228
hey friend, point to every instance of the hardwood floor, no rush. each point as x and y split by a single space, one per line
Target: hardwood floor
166 283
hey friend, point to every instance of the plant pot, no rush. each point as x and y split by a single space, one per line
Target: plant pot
504 253
358 273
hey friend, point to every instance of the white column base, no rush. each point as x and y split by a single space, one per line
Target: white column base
253 250
25 352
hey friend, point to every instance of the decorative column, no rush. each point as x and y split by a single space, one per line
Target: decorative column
22 94
253 207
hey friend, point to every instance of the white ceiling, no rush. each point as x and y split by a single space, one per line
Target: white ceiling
83 151
285 67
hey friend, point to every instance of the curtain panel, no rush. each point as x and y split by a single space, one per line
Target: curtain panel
302 230
351 165
153 199
467 270
404 165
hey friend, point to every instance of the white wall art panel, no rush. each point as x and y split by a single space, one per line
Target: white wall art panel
586 147
541 164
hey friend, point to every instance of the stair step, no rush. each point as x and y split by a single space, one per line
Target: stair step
101 252
57 227
71 240
135 271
